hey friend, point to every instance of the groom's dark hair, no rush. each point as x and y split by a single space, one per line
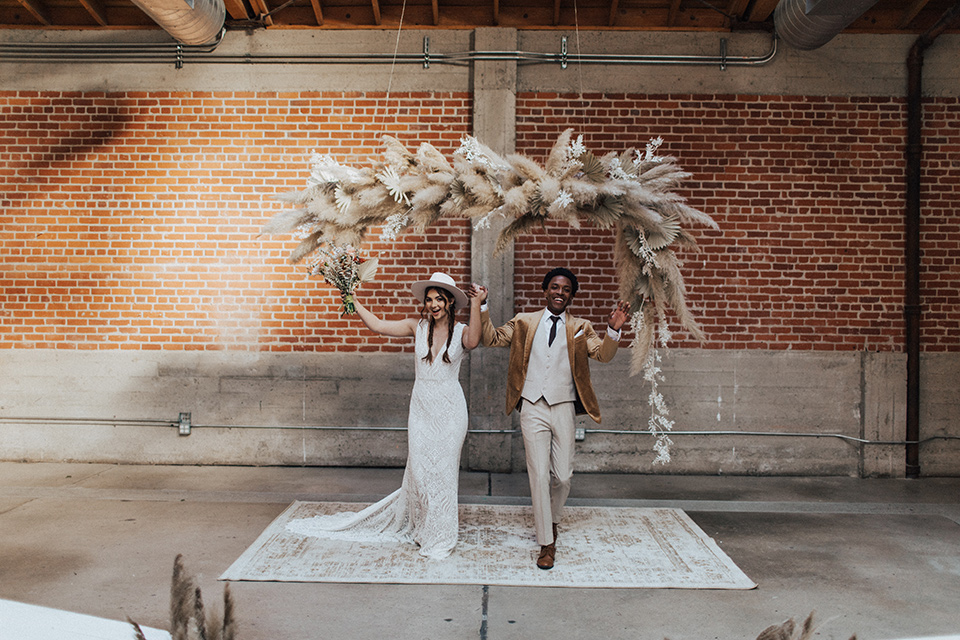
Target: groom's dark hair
560 271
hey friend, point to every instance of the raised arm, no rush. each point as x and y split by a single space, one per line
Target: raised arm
603 349
491 336
394 328
619 315
471 337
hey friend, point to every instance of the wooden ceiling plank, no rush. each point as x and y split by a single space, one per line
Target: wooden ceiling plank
38 10
237 9
496 13
556 12
613 12
673 13
761 10
317 11
376 11
96 10
911 12
436 13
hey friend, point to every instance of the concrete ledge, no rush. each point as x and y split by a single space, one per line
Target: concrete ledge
351 409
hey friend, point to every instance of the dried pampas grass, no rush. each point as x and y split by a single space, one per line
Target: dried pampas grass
788 630
631 192
188 619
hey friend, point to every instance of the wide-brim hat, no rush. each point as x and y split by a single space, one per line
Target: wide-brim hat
441 281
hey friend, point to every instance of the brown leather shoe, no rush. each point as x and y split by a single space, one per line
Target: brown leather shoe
547 554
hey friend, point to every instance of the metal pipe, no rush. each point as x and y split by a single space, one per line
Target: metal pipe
190 22
911 306
809 24
171 53
175 424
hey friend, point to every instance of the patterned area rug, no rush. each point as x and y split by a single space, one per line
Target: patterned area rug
597 547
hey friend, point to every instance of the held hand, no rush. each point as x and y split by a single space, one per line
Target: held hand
477 292
619 315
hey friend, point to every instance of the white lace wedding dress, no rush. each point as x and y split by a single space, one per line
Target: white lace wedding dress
424 509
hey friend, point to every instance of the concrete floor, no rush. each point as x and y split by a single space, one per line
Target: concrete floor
876 558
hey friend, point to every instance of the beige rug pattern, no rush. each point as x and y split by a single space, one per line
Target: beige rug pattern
612 547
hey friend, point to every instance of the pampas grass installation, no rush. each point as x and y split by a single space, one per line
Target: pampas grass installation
188 619
632 192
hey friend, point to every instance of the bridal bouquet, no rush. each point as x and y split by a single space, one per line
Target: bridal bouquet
344 268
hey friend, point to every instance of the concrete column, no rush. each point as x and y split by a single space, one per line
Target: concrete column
884 414
494 124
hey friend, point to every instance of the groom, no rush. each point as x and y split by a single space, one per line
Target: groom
548 381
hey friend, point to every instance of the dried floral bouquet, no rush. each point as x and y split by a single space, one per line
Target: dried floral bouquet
345 268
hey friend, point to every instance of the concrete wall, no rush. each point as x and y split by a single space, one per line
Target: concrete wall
350 409
860 65
263 408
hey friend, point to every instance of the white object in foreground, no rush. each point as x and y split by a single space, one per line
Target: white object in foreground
32 622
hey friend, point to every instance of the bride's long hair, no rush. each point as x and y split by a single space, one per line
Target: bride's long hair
451 321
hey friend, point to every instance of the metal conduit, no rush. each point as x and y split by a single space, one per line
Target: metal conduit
913 154
176 424
179 54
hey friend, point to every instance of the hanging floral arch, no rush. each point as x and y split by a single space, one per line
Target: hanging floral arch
632 192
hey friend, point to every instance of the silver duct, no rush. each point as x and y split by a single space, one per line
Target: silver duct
189 21
808 24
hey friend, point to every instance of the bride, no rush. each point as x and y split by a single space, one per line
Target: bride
424 509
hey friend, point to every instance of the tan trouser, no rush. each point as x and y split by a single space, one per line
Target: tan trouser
549 443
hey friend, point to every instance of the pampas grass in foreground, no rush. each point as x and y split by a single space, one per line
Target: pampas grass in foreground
788 630
188 620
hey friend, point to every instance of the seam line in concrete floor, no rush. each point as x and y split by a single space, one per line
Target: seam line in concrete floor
950 511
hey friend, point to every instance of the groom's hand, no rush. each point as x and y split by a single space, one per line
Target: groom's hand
619 315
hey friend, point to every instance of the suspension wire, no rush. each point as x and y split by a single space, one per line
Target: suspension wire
576 24
393 63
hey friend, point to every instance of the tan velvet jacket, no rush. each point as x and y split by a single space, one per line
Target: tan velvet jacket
518 335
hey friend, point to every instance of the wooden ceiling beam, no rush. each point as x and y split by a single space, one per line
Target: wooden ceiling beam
673 13
436 13
556 12
261 9
496 13
911 12
737 7
96 10
761 10
614 4
376 12
317 11
237 10
38 10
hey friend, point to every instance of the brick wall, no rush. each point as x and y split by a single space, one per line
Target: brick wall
130 219
809 196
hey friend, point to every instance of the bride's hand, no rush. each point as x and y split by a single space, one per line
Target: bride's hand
478 292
